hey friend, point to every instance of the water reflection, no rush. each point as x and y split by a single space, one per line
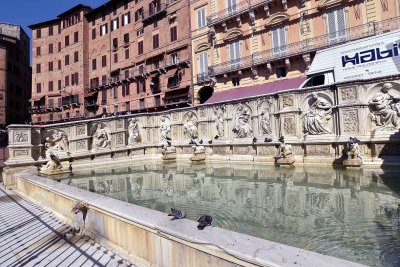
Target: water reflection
351 214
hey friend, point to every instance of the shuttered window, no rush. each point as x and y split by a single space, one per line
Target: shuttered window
201 17
279 40
155 41
336 21
174 33
203 68
231 6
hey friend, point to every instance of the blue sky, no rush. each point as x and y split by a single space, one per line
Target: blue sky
27 12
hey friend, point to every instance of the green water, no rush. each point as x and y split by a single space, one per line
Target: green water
350 214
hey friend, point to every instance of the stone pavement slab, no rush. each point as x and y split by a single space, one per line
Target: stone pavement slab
31 236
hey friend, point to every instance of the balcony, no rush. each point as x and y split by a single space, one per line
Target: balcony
159 10
235 10
203 77
91 103
306 46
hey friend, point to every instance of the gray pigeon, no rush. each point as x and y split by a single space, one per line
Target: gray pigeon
204 221
177 214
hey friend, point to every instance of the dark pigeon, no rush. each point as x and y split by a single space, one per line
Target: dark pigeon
254 140
169 143
70 168
267 139
192 142
216 137
169 139
204 221
210 142
201 141
177 214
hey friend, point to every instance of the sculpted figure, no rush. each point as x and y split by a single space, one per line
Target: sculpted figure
353 149
316 119
56 144
190 127
266 121
385 107
100 137
285 150
219 112
53 164
242 127
165 129
133 132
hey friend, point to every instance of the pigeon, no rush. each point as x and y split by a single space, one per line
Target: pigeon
70 168
216 137
201 141
267 139
210 142
192 142
168 138
169 143
177 214
204 221
254 140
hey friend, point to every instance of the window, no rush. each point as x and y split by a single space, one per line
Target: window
115 43
38 33
157 101
51 66
141 86
234 54
104 61
174 33
174 81
139 14
231 6
67 40
155 41
155 24
281 72
103 79
38 68
115 89
50 48
126 38
125 89
103 29
59 85
51 86
50 30
140 47
74 78
38 51
203 62
114 24
93 33
38 88
336 25
236 81
126 19
279 40
126 53
140 32
59 46
59 65
66 60
116 58
76 56
94 64
76 37
201 17
174 58
66 81
141 103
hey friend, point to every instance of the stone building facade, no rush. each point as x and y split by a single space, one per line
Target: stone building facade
15 74
123 56
241 43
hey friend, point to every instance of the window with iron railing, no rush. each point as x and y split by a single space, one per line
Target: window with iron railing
174 81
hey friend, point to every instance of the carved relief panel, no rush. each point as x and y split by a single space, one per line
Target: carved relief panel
350 121
289 125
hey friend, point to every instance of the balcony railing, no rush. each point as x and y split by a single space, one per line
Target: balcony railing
307 45
155 11
234 10
203 77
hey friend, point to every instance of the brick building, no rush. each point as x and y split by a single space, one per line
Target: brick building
15 74
123 56
243 43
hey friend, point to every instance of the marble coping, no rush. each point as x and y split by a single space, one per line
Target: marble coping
211 240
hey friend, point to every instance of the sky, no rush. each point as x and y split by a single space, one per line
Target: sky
27 12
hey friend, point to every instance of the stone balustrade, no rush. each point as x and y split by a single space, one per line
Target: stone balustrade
317 123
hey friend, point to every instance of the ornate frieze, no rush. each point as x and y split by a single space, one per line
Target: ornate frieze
318 149
266 151
80 130
21 152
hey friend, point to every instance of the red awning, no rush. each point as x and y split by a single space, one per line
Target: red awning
262 89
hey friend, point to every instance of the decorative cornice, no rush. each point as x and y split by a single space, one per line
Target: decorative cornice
233 34
329 3
277 18
202 47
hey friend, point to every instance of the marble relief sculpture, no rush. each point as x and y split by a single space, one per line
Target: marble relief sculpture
265 121
242 127
385 108
133 132
165 129
219 112
315 120
101 138
190 127
57 144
